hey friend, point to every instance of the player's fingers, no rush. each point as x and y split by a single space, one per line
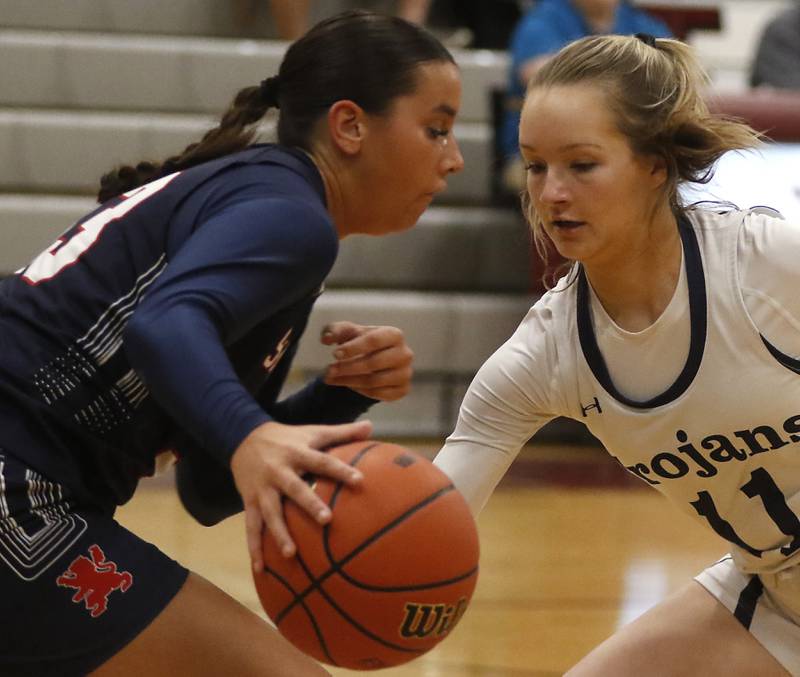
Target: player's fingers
394 357
387 394
254 527
306 498
391 378
370 341
339 332
272 512
330 435
335 468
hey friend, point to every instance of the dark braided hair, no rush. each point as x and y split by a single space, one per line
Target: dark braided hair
360 56
234 132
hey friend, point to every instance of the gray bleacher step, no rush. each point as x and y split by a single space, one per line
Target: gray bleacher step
451 335
68 151
179 74
175 17
450 249
29 223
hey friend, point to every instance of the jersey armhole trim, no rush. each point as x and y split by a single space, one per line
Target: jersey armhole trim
783 359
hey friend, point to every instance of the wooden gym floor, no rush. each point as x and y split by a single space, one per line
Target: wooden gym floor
571 548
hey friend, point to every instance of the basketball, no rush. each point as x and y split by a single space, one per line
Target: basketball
389 576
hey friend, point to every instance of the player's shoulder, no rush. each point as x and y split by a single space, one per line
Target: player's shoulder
765 230
273 185
292 222
557 301
549 321
759 230
725 215
710 216
277 169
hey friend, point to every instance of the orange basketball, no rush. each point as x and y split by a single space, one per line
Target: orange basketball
388 577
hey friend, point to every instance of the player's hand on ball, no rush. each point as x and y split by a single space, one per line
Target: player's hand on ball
373 361
271 461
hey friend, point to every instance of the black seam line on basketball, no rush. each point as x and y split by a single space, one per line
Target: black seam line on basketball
344 615
336 566
352 621
361 453
277 620
298 597
354 462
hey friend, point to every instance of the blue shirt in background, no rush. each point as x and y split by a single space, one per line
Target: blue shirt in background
548 27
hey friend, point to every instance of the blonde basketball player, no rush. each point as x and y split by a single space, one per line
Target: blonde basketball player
674 337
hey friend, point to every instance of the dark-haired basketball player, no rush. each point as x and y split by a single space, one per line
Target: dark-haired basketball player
168 317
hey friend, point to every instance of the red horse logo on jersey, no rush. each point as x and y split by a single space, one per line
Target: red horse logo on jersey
94 579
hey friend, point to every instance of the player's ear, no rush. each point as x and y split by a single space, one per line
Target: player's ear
658 170
347 126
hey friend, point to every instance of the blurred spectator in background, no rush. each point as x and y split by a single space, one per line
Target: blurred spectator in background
292 18
415 11
541 32
777 62
476 24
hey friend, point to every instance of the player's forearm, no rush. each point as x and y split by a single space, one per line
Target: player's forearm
185 367
320 403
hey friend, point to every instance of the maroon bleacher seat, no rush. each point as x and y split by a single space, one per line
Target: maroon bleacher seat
682 18
776 112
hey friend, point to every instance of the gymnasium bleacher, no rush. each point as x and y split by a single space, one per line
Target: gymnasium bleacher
87 84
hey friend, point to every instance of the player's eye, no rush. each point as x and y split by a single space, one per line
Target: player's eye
439 133
535 167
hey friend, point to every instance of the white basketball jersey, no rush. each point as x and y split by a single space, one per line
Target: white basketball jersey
722 441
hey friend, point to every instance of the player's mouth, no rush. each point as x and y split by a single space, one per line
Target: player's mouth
567 224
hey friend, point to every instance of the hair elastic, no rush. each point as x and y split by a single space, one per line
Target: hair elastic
270 90
647 39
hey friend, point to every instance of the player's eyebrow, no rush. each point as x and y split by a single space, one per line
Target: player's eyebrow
446 109
569 146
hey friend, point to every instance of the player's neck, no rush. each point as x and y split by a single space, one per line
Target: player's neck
635 291
334 190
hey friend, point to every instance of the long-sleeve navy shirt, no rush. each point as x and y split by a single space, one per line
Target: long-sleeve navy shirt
168 317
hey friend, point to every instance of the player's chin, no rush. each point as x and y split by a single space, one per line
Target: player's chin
411 216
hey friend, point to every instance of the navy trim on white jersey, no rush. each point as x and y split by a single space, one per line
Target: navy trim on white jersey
697 316
791 363
746 606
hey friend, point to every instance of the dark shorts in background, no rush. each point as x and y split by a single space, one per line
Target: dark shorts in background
75 585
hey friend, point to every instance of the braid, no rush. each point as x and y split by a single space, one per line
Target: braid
234 132
125 178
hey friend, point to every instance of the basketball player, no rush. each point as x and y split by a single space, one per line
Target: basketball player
673 336
168 317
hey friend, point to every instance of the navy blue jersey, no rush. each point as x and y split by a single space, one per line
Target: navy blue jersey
168 316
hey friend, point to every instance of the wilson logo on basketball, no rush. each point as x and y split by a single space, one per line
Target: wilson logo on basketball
94 579
423 620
